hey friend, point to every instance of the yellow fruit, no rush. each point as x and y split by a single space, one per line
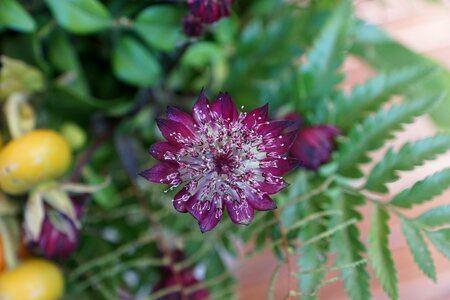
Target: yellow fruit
35 279
35 157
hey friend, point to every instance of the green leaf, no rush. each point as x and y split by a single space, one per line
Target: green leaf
14 16
203 53
134 64
380 254
80 16
441 240
65 59
368 97
419 248
372 44
434 217
107 197
160 26
409 156
375 130
348 247
318 76
423 190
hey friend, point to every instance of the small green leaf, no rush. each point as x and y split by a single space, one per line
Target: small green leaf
419 248
14 16
80 16
441 240
65 59
313 256
34 215
409 156
318 76
19 77
380 254
134 64
106 197
437 216
160 26
349 248
375 130
423 190
203 53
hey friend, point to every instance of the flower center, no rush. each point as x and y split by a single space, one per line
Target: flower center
224 163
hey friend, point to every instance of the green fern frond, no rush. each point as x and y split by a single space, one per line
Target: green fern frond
348 110
441 240
348 247
423 190
419 248
314 255
318 76
380 254
374 131
435 217
408 157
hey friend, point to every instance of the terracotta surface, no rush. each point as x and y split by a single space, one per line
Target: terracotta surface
425 28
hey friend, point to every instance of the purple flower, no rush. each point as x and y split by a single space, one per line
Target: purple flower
222 158
209 11
192 26
313 145
59 235
185 278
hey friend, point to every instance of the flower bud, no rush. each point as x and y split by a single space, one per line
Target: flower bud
185 278
210 11
59 235
192 26
313 145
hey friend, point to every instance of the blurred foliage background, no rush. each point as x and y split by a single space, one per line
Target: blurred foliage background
109 68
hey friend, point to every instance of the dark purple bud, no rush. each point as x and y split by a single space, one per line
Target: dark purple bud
314 145
192 26
209 11
59 235
184 278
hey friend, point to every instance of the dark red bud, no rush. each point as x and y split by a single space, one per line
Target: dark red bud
314 145
209 11
192 26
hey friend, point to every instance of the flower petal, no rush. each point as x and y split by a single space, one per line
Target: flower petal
197 208
224 107
273 186
278 166
211 219
240 212
280 145
165 172
163 151
175 114
201 110
175 132
276 128
263 202
256 116
181 199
